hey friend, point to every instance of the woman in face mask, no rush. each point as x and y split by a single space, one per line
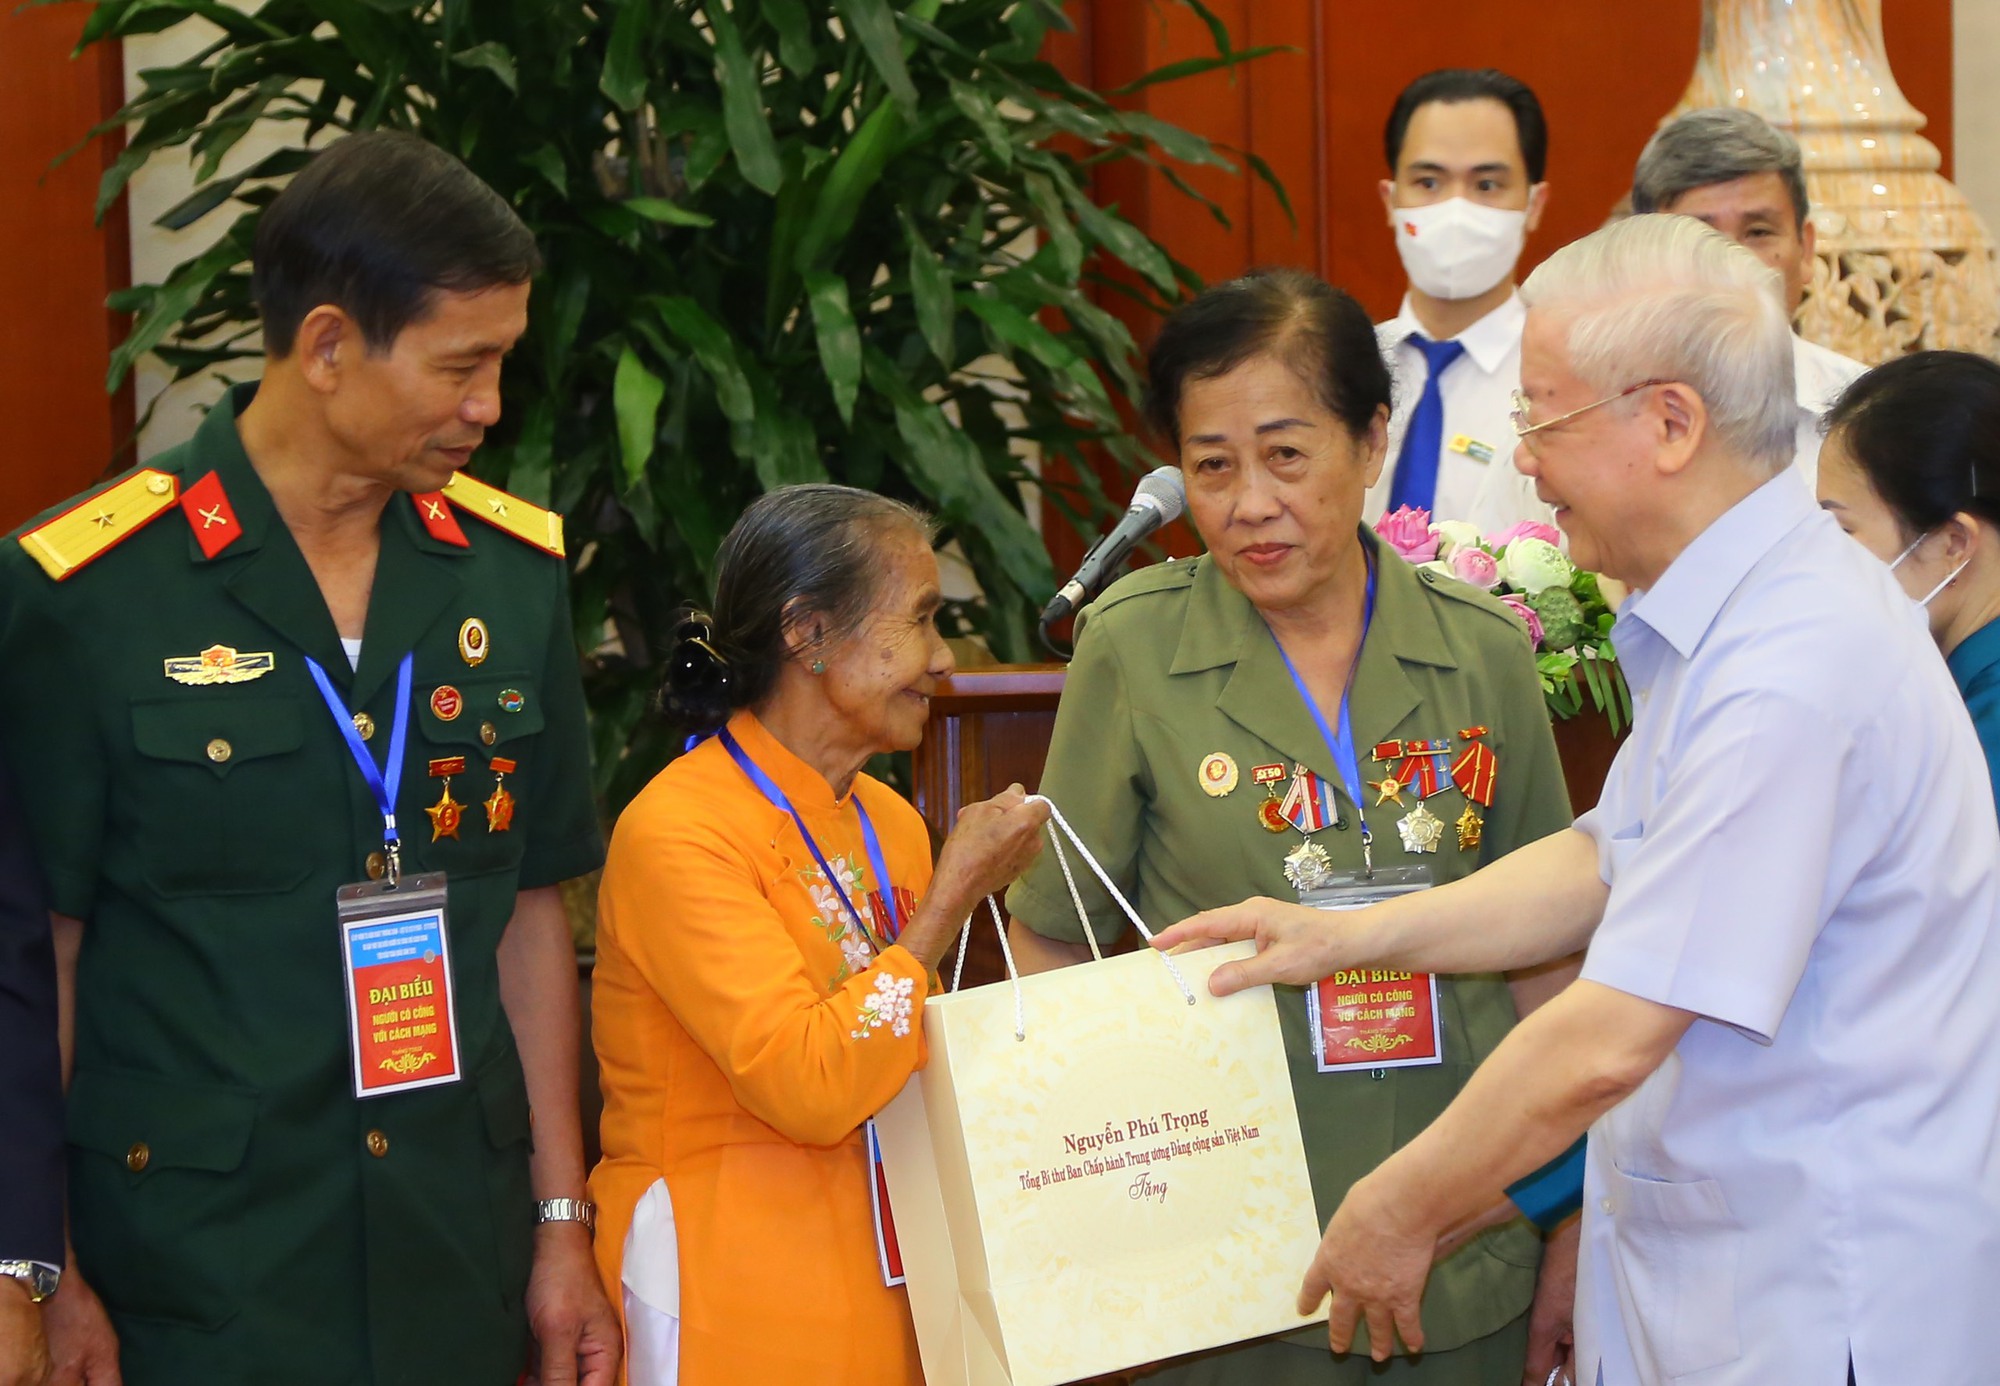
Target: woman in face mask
1911 469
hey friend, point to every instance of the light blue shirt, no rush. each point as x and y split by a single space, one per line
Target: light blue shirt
1801 847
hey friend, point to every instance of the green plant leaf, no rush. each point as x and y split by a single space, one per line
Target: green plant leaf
182 290
635 396
743 112
1124 240
873 24
778 441
1195 67
624 77
713 347
794 30
491 57
839 338
667 212
930 288
979 108
853 174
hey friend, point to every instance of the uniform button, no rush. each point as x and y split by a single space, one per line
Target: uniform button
364 726
1605 1204
138 1157
488 733
1378 1074
377 865
220 750
378 1144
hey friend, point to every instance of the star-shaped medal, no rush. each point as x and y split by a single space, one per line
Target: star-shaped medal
1387 791
1421 830
446 815
1308 867
499 810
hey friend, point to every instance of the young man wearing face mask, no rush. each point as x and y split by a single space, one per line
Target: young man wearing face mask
1467 150
1734 170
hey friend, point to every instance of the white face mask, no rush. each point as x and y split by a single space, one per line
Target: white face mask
1459 249
1950 577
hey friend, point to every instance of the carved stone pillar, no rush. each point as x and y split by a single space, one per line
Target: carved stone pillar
1904 263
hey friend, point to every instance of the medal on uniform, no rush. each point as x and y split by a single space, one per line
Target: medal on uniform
1217 774
1269 815
1470 829
1307 866
446 703
1475 772
1388 789
500 804
447 813
1426 768
1421 830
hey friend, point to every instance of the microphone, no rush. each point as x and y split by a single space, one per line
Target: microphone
1159 500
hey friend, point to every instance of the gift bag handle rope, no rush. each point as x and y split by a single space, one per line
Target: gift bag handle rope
1056 820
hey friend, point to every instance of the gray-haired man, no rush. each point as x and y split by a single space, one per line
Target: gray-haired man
1736 171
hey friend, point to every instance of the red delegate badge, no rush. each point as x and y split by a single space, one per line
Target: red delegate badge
1375 1018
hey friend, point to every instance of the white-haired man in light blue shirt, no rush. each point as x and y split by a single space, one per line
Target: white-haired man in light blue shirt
1784 1042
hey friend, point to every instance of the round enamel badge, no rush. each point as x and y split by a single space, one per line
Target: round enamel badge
446 703
1217 775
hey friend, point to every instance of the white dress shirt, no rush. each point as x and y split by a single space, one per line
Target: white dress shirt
1476 476
1800 842
1818 377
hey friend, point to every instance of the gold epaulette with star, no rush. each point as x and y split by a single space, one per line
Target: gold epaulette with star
524 520
98 524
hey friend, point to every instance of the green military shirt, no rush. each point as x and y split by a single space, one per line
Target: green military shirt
245 1218
1174 665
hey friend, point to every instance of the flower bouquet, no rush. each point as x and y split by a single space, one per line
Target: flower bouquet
1561 605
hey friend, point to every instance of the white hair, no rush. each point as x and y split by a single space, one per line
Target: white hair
1667 298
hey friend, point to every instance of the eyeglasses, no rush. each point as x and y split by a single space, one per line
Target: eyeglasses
1519 416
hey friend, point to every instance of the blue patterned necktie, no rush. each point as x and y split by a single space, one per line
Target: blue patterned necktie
1416 479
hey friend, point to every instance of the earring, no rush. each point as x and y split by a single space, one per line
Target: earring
819 666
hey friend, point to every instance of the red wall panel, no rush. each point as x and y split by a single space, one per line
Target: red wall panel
55 267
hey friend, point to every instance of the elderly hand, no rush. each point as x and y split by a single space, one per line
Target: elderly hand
993 842
1295 944
24 1353
577 1341
1551 1320
83 1347
1374 1261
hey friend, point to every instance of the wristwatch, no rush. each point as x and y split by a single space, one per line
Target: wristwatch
567 1210
41 1280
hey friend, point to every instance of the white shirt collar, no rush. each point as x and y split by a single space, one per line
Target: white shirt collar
1488 342
1819 374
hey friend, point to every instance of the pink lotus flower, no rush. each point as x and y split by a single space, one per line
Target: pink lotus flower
1408 532
1477 567
1526 529
1527 614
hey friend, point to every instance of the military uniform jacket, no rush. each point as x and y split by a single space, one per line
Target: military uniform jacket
1174 665
243 1216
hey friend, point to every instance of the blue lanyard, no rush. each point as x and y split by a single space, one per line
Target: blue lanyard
383 787
1340 745
769 788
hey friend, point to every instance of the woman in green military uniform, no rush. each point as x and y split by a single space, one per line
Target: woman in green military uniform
1199 749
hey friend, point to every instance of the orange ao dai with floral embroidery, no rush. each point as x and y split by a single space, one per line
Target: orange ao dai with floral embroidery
746 1029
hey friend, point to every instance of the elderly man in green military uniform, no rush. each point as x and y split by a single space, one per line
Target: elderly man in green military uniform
1300 711
303 653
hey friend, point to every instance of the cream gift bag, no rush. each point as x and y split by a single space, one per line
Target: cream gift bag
1098 1168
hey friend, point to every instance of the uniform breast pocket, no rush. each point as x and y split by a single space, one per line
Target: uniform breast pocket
482 732
210 799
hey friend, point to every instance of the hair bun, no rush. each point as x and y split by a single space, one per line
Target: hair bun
696 691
